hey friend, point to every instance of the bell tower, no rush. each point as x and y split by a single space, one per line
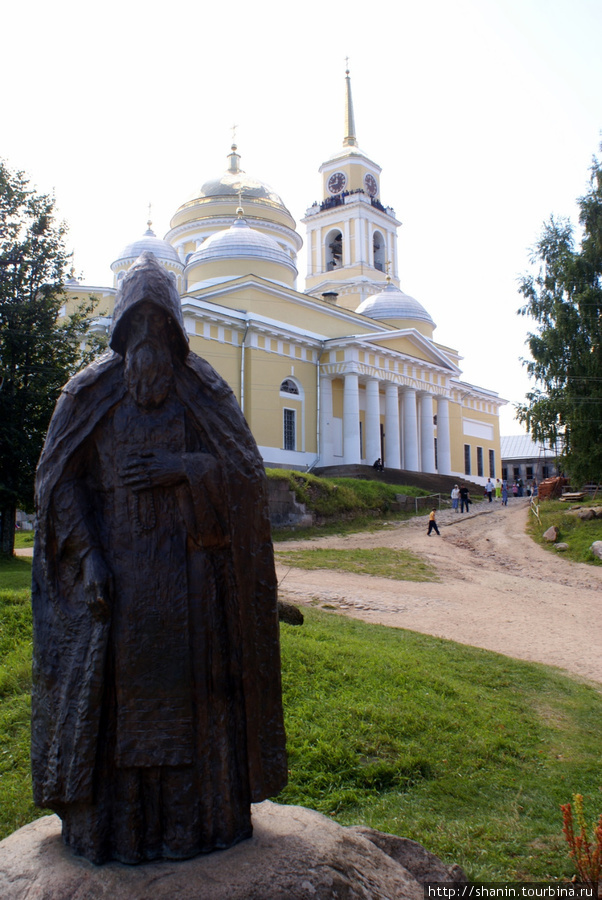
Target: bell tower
351 236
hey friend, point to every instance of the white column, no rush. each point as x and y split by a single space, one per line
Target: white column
347 254
401 449
362 228
372 421
351 420
443 441
427 433
392 451
410 431
326 447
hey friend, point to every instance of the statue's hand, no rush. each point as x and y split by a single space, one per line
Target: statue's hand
153 468
97 586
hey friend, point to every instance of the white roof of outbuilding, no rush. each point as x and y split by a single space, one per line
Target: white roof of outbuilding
522 446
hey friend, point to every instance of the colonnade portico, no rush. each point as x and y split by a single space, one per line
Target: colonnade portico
409 429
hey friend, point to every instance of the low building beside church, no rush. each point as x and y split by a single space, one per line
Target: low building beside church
529 460
344 372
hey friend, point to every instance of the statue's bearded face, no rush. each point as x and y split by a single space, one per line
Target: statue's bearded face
148 361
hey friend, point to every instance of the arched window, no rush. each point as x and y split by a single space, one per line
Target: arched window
288 386
378 251
334 250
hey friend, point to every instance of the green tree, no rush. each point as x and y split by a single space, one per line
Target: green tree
39 348
564 297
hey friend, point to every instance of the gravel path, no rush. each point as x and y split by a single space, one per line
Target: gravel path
497 589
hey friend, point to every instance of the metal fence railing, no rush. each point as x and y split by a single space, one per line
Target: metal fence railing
440 501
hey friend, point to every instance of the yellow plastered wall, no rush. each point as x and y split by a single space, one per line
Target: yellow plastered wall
235 268
459 439
337 397
210 208
264 405
310 318
223 356
75 298
456 437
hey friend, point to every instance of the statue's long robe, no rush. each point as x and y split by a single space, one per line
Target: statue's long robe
153 732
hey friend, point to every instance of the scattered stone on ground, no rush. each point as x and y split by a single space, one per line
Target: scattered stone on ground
596 549
551 535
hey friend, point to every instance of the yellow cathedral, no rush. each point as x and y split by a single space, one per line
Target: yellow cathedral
347 371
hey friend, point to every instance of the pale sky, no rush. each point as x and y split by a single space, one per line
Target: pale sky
484 115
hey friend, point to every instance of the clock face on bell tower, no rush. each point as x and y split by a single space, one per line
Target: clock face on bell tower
337 182
371 185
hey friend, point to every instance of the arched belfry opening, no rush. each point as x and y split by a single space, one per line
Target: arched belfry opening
378 251
334 250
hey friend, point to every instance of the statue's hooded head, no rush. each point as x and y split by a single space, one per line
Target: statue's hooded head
147 281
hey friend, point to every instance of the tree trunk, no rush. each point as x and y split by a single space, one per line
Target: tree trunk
8 516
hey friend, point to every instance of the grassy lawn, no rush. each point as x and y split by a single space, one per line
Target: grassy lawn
579 535
16 806
465 751
400 565
468 752
23 539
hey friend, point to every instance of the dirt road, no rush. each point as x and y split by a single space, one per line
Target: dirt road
498 590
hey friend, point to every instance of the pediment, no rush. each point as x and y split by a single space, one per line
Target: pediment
410 342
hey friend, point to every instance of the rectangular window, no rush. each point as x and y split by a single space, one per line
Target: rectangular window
529 472
290 442
467 459
504 474
516 472
480 462
492 463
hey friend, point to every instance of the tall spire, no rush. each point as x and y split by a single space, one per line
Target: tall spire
350 139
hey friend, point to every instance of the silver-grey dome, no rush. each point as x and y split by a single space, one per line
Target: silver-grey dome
241 242
238 184
392 303
149 241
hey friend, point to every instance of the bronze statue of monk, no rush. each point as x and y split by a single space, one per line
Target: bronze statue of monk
157 714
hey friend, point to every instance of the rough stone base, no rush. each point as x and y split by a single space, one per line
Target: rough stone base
294 853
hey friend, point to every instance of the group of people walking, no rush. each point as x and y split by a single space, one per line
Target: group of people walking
500 490
460 497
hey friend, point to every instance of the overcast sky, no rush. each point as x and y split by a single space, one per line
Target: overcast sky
484 115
